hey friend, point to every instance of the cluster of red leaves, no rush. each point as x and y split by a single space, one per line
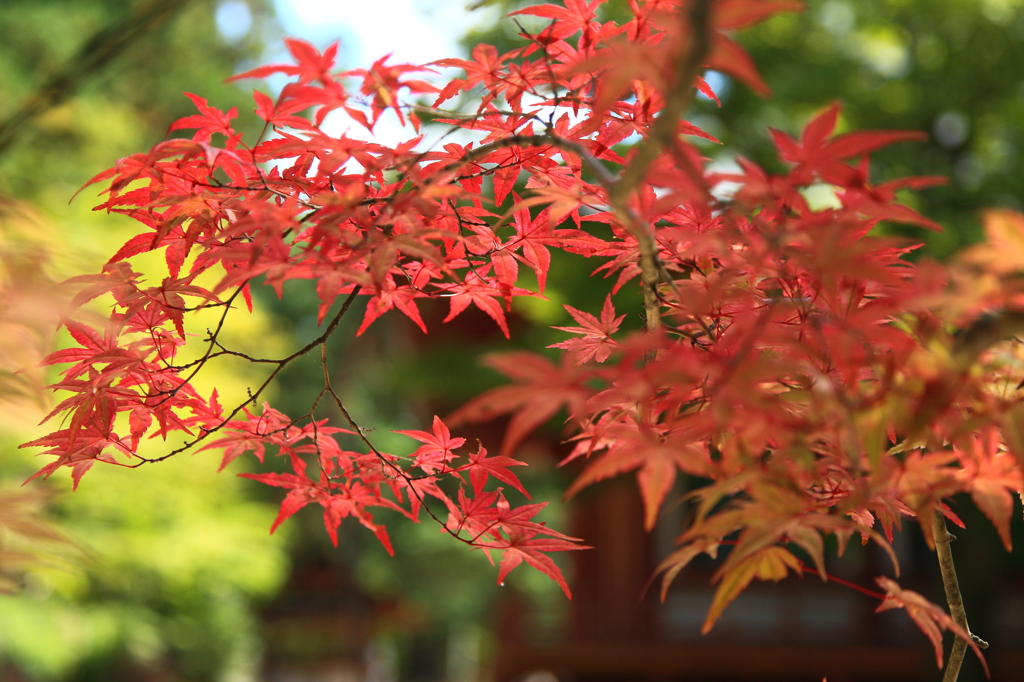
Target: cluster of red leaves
802 366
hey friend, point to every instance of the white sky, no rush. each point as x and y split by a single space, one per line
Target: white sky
413 31
416 31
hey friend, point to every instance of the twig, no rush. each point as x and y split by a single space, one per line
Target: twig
206 433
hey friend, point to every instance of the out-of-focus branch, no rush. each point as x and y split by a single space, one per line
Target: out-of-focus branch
663 135
972 341
97 52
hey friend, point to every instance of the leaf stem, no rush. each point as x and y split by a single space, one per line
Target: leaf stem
845 583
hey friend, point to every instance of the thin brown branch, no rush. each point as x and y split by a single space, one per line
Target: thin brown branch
399 472
663 135
281 364
953 598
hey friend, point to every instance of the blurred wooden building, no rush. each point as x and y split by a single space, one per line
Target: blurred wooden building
795 630
615 629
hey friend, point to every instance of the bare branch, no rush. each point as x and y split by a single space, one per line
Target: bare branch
953 598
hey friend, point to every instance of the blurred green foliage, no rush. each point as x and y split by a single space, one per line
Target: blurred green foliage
170 560
126 106
947 67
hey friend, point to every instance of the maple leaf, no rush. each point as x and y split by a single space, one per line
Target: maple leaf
485 68
481 293
931 619
619 63
577 15
88 446
771 563
597 342
532 237
280 114
352 500
542 391
301 492
726 55
94 348
818 154
679 559
383 81
878 201
312 65
520 547
418 488
477 514
481 466
240 439
511 520
438 448
210 120
390 296
628 448
991 475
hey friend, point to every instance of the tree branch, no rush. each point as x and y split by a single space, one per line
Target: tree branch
206 433
953 598
664 134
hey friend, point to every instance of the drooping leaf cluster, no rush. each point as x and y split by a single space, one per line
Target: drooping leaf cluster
822 383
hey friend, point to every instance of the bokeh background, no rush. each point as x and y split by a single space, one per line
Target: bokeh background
167 573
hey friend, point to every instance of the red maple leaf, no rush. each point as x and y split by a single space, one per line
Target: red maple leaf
312 65
817 154
930 618
481 466
482 293
438 449
542 390
530 548
597 342
210 120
